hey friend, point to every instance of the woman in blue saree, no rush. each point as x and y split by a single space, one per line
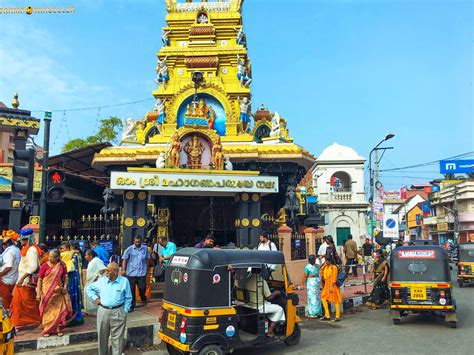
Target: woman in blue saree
73 261
313 288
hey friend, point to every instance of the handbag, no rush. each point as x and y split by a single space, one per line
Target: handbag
341 277
159 270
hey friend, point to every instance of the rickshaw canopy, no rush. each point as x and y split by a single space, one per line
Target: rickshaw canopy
466 252
210 259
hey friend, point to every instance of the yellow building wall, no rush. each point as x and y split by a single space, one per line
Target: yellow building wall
412 217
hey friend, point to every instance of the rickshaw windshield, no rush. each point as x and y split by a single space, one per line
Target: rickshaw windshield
420 270
466 253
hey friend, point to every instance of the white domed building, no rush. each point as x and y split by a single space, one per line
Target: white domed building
338 181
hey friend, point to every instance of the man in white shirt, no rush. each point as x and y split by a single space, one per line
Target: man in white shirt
8 271
322 251
267 244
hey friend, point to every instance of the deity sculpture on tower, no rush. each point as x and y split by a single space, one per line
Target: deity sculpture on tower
162 73
200 114
243 73
194 149
218 155
174 151
160 108
244 114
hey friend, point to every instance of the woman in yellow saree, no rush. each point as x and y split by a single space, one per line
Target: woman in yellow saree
55 304
331 293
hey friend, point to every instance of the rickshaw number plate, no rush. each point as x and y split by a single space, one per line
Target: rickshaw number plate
171 324
418 293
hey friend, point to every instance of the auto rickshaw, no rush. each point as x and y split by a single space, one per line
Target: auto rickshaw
420 282
207 308
465 263
7 333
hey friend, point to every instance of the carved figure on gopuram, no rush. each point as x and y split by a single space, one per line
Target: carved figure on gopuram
243 73
218 155
200 114
244 105
160 108
165 37
194 149
162 73
174 151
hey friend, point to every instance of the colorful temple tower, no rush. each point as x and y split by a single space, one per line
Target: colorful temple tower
219 167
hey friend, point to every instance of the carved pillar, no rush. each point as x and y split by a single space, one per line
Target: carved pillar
134 220
248 220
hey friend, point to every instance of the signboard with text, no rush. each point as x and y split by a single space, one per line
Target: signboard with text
391 195
456 166
197 183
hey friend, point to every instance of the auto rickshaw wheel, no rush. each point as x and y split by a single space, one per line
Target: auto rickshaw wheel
294 338
453 324
211 350
397 321
461 284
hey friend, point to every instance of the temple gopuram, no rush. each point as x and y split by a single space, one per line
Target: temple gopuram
201 160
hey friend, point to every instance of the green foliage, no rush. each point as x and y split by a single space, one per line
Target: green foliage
108 131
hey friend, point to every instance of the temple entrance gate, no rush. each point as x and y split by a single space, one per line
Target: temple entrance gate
140 185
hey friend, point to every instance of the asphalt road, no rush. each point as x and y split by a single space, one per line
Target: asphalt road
364 331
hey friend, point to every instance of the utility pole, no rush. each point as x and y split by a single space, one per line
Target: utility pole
456 216
44 180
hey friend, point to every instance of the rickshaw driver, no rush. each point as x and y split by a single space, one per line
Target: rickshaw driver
273 311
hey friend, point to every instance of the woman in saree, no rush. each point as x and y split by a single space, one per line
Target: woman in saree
95 268
73 265
55 304
311 281
331 292
380 292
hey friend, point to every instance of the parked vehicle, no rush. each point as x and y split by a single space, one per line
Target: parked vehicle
207 310
420 282
465 263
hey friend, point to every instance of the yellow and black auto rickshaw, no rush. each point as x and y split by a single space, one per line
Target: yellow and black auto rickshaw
465 263
210 305
420 282
7 333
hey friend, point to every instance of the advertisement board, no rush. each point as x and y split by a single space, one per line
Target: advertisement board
456 166
392 195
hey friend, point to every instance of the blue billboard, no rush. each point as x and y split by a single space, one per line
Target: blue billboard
456 166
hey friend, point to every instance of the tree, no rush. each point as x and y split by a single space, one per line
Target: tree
108 131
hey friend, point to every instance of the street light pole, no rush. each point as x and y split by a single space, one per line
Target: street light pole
371 180
44 180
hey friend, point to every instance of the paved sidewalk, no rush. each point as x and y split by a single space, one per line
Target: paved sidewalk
142 326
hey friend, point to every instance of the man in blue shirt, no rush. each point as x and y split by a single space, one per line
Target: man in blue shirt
113 296
135 262
102 254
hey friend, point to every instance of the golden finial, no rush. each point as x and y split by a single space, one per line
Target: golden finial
112 217
95 237
61 238
89 218
83 218
88 237
100 217
108 236
68 238
95 217
15 102
54 238
75 237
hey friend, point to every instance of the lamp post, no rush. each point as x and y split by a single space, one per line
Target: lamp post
371 178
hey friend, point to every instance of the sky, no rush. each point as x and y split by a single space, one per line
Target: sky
345 71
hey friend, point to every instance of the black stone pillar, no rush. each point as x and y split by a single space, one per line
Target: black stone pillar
16 205
134 219
248 220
